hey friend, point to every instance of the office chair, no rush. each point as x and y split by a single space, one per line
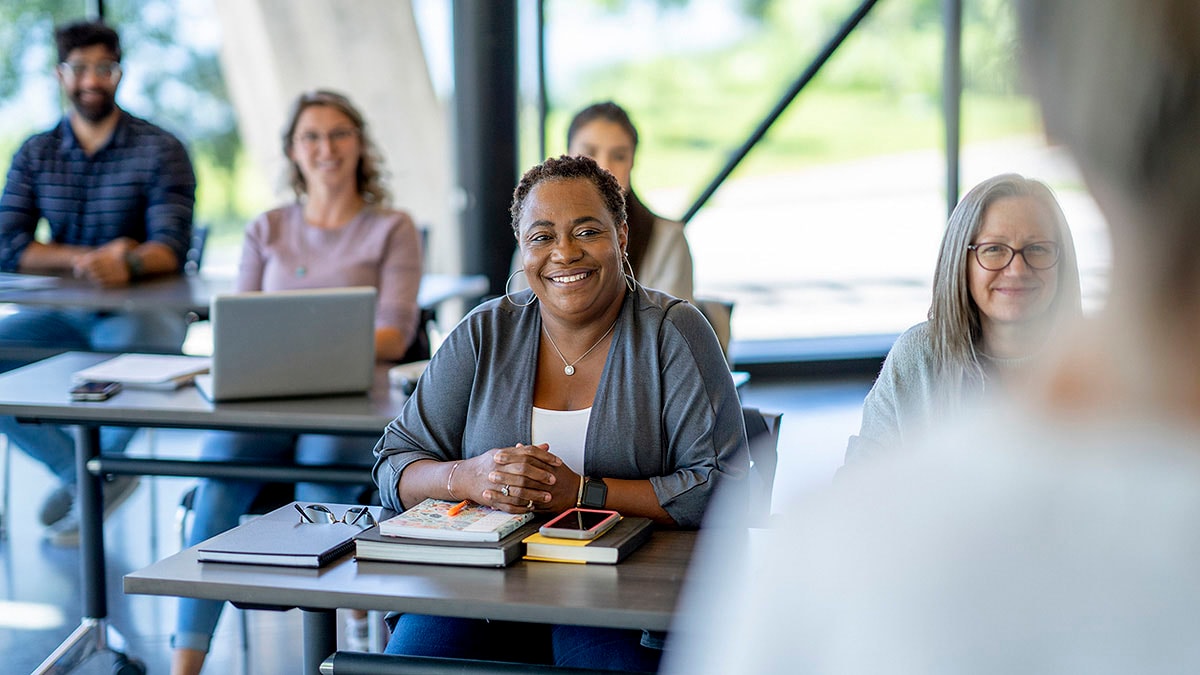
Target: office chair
720 316
762 431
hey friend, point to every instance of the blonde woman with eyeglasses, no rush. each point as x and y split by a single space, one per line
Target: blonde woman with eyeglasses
339 232
1006 280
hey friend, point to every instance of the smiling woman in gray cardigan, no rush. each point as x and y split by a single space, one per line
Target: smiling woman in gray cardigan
664 410
586 389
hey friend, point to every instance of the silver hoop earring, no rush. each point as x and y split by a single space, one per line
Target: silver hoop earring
630 280
508 297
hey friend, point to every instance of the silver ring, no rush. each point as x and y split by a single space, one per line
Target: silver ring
504 490
529 505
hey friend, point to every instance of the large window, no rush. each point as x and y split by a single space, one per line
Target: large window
171 76
831 225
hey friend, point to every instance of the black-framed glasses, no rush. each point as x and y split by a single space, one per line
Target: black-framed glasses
360 516
994 256
105 70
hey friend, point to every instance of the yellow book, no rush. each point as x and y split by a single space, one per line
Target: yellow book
609 548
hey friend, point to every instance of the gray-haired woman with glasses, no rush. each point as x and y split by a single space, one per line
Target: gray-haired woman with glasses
1006 280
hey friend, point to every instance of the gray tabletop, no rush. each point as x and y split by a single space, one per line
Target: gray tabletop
177 292
193 293
41 391
640 592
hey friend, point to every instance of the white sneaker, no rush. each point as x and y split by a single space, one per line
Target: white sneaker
65 532
357 634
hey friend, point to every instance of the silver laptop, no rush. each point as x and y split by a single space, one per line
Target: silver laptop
291 343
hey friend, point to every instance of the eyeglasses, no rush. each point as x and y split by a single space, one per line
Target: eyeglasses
319 513
105 70
311 139
1040 255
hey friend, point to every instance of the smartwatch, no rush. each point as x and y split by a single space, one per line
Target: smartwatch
594 493
133 262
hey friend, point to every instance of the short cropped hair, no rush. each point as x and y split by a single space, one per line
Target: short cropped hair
369 174
607 111
954 321
566 167
80 34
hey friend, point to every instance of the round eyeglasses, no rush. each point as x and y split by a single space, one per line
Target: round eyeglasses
319 513
993 257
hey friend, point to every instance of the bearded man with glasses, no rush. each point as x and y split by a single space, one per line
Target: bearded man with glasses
117 193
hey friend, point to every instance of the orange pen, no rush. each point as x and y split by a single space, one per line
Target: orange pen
457 508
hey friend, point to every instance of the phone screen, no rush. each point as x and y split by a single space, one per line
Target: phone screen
582 520
93 388
94 391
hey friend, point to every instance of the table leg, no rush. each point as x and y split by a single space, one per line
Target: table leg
91 524
93 634
320 637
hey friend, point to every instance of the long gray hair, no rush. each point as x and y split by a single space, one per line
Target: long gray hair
954 321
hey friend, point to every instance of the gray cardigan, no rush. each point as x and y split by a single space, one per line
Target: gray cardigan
665 408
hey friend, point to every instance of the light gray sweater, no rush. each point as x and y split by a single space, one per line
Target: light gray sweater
665 408
908 398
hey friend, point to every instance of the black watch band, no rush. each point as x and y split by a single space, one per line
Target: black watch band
133 262
594 494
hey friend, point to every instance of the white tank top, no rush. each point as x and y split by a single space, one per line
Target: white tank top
565 431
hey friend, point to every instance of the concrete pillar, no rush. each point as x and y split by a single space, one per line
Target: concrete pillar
368 50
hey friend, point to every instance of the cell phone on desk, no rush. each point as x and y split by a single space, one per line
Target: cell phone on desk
580 523
94 391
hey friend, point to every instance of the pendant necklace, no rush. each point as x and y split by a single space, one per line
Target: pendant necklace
569 368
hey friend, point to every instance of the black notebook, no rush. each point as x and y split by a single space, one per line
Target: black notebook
279 538
609 548
371 545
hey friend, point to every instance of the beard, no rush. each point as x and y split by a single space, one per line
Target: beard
94 111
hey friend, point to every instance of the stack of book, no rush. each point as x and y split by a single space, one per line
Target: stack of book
447 533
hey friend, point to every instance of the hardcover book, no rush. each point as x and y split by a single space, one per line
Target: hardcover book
146 371
279 538
371 545
432 519
609 548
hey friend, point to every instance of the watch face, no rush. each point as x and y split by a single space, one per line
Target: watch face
595 493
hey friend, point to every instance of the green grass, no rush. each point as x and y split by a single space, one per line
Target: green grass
822 128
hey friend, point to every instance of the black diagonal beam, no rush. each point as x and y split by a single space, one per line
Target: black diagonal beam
809 73
952 96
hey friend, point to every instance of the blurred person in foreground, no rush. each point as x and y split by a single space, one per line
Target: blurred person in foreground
1007 282
117 194
586 377
339 232
1057 533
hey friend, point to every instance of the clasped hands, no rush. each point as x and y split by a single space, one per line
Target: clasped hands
518 479
105 265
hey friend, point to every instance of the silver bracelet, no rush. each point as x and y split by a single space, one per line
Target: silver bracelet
450 478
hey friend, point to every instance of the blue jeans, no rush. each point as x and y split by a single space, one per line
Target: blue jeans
563 646
40 328
220 503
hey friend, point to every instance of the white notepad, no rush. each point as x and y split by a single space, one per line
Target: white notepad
146 371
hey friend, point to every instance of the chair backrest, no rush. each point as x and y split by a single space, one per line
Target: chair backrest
762 431
720 316
195 252
421 348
